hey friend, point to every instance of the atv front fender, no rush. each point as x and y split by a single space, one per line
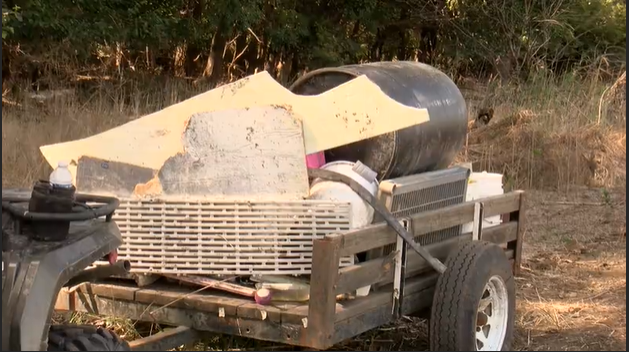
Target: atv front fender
33 277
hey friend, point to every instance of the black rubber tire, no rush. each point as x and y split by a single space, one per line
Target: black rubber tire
84 338
459 291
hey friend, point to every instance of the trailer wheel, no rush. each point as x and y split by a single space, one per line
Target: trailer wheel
474 304
84 338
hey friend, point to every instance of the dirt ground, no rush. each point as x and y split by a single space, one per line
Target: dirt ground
572 294
572 291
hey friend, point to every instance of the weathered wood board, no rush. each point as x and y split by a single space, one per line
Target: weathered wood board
351 112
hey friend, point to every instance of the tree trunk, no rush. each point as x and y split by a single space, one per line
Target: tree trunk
250 56
193 51
215 69
377 47
285 73
6 68
427 44
403 40
239 61
179 60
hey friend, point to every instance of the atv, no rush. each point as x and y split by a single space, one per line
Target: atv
51 240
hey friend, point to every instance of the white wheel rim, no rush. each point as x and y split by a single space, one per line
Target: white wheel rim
492 316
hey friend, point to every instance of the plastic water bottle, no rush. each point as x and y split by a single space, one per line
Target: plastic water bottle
61 177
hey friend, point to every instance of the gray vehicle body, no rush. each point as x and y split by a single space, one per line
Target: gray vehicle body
33 273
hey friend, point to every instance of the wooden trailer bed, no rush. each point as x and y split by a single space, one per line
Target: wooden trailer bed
324 321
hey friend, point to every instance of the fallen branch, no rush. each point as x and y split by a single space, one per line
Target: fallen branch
184 295
601 294
217 284
594 204
7 102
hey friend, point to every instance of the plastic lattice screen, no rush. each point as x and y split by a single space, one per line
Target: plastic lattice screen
226 237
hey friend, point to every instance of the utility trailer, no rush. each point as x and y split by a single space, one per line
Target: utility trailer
180 164
403 284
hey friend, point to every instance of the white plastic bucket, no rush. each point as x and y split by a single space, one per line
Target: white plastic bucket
482 185
362 213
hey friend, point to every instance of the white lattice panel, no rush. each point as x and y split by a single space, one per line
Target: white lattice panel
239 238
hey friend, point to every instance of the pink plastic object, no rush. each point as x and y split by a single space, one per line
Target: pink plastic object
316 160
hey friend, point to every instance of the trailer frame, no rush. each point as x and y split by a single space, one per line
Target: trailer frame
405 285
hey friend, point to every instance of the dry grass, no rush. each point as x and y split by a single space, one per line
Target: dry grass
555 136
572 295
545 134
27 123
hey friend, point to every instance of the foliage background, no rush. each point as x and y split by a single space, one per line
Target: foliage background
218 40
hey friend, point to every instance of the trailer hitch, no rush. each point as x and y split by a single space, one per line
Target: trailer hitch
386 215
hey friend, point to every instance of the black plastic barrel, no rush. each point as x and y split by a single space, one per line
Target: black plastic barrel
429 146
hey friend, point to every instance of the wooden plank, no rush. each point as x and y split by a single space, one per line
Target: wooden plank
165 340
500 204
158 296
415 264
359 324
419 300
254 311
499 234
118 291
378 316
353 111
208 282
352 277
427 222
380 235
516 246
376 310
296 314
384 296
181 297
64 300
322 306
366 238
195 319
220 305
124 291
417 286
359 305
